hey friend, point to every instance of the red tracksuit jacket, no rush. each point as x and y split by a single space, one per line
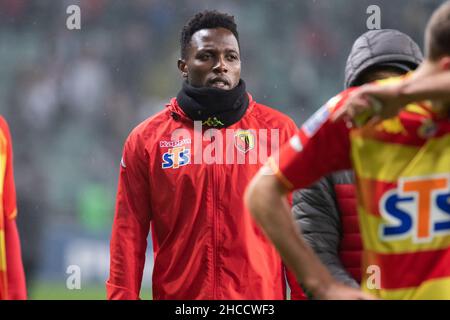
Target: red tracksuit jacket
206 245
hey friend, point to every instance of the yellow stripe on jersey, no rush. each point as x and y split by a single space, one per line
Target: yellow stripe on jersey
413 107
384 161
372 241
2 251
433 158
370 158
436 289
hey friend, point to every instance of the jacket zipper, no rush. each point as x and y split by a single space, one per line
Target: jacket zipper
216 230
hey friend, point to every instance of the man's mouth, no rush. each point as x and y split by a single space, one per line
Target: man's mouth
219 83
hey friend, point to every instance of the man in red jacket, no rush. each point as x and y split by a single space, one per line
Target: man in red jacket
183 174
12 277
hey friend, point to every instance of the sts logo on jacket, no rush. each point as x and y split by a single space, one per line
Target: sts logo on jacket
176 157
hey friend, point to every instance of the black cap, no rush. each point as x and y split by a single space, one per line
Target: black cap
386 47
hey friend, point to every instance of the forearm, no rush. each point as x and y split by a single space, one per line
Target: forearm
435 87
270 208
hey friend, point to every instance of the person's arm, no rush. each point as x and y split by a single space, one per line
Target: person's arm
266 200
131 225
431 87
382 101
317 216
296 291
14 266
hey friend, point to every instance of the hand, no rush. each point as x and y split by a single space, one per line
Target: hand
338 291
371 103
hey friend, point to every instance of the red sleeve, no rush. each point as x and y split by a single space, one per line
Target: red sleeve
14 266
290 130
319 148
9 189
131 224
16 276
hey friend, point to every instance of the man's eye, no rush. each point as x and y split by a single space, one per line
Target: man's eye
233 57
204 56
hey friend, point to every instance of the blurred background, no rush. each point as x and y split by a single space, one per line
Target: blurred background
72 96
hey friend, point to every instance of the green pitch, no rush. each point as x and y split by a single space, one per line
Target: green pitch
58 291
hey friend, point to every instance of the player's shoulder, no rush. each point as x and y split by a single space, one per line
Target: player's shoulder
271 116
321 117
335 102
330 106
269 111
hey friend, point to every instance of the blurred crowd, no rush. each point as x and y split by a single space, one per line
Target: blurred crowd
72 96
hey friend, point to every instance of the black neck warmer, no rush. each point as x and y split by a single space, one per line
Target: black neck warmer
215 107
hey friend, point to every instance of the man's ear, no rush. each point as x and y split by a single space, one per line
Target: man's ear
444 63
182 66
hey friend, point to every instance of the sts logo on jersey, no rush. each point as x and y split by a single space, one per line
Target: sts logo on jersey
420 208
176 157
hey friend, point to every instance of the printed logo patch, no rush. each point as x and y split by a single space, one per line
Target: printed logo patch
173 144
212 122
176 157
244 140
428 129
418 208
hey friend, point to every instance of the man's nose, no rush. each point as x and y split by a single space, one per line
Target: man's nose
221 65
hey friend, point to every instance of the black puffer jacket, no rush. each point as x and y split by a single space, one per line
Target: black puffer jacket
326 212
322 212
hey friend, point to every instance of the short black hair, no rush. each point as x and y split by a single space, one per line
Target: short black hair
206 20
378 72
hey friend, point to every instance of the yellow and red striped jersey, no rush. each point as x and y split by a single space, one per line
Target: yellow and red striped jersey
402 167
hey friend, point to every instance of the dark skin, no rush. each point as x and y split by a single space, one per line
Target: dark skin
212 60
